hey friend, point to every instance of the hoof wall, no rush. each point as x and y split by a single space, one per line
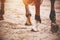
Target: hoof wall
28 24
54 28
34 30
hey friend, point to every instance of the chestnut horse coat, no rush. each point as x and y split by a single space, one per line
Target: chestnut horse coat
33 2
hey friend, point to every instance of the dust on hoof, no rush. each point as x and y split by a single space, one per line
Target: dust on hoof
38 18
54 28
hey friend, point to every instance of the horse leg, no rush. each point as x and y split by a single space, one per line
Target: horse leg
2 10
37 15
37 18
54 26
28 15
1 15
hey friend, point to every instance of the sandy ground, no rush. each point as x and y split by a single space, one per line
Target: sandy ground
13 28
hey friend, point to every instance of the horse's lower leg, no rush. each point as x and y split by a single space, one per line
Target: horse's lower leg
1 14
2 10
54 26
37 15
53 16
28 15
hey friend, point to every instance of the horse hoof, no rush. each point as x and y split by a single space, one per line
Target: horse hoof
38 18
54 28
28 24
1 18
34 30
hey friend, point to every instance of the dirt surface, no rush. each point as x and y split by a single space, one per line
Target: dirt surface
13 28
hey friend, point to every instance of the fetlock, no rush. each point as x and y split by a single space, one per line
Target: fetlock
38 18
28 15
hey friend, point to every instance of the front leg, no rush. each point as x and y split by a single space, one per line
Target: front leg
28 15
